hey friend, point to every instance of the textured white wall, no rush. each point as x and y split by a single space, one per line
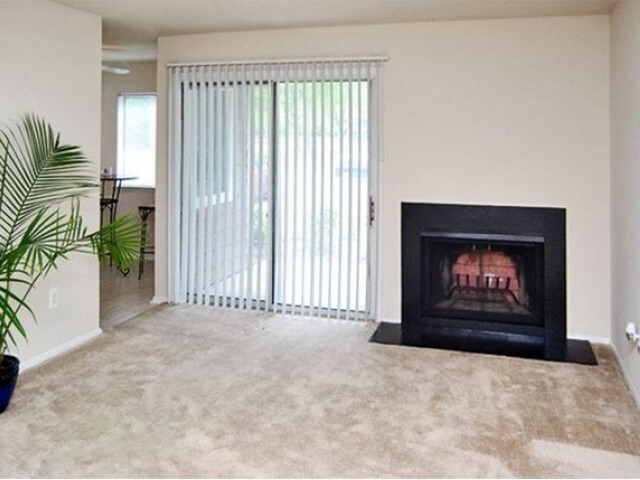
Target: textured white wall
625 181
503 112
50 57
142 78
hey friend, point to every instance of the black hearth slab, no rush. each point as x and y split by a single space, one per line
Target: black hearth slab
387 333
578 351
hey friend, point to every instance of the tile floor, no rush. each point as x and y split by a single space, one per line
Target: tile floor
123 297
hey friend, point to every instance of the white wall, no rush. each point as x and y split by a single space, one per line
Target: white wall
141 79
50 57
504 112
625 181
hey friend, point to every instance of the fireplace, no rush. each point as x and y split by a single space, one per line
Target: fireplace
484 278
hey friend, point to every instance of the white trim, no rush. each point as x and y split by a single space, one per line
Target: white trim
60 350
272 61
158 300
376 154
635 393
389 320
590 338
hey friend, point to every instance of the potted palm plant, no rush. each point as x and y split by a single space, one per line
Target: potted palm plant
41 184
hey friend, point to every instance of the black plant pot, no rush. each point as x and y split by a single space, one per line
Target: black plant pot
9 369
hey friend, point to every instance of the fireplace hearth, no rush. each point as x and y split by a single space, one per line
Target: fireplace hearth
485 279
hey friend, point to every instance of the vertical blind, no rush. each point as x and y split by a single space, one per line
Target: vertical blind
272 185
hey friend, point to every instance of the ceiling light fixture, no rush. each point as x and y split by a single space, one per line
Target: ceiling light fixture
116 70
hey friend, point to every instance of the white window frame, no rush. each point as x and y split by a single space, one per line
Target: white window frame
120 169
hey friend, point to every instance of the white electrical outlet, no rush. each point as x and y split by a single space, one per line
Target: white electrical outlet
53 298
632 335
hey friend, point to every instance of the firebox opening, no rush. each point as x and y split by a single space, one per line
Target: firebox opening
482 277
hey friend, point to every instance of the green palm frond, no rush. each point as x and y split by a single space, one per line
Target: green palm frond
10 306
120 240
41 183
36 169
48 237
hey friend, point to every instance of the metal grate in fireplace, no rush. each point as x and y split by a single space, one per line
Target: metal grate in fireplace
483 279
473 276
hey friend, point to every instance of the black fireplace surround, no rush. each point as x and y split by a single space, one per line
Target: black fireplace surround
485 279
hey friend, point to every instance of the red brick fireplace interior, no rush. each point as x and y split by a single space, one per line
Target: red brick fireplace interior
484 278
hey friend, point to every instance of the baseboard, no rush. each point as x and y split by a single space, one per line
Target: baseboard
60 350
592 339
635 393
158 300
388 320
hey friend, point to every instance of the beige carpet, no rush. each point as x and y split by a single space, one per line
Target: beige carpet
199 392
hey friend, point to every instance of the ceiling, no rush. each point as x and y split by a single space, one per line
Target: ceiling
131 27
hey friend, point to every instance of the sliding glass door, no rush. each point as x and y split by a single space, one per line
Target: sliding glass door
272 188
321 253
225 194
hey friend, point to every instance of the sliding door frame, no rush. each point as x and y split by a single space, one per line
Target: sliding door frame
371 283
176 191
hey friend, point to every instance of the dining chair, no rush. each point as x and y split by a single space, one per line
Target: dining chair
145 212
